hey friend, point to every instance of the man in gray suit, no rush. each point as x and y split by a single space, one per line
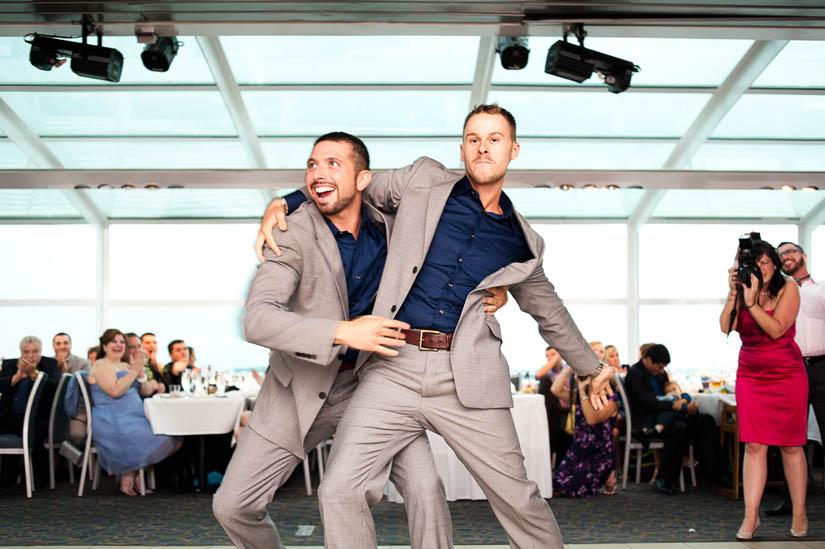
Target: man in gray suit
299 304
451 378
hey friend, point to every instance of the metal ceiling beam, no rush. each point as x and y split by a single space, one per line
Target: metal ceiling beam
268 179
743 75
216 60
645 207
40 154
485 61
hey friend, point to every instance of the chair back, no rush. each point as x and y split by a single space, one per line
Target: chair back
82 384
58 420
30 417
625 403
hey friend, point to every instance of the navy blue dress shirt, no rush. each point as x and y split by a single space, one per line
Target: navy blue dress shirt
363 261
469 244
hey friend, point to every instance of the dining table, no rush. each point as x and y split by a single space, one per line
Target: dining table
182 414
530 418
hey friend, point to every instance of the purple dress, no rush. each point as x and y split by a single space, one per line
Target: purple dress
589 460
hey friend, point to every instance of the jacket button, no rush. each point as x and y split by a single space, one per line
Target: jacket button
322 395
415 270
392 309
340 356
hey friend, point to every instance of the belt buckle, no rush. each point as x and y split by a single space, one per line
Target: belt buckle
421 338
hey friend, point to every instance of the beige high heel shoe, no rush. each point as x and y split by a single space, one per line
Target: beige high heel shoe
800 533
743 535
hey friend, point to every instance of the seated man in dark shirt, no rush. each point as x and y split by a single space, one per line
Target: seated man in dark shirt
16 381
645 382
179 355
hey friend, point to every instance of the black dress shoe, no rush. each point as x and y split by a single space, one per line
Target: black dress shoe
780 509
663 486
642 437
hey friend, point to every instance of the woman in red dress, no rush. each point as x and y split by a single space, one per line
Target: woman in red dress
771 383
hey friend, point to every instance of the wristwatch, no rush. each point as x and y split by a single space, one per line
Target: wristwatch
592 374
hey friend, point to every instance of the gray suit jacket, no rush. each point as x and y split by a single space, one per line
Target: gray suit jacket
294 305
419 193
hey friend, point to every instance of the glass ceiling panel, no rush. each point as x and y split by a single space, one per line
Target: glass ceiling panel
12 158
774 157
753 203
589 114
362 113
664 61
102 113
188 66
799 64
171 154
775 116
384 154
35 203
178 203
575 203
591 155
352 59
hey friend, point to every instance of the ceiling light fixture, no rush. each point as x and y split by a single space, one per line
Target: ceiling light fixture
158 56
578 63
513 52
87 60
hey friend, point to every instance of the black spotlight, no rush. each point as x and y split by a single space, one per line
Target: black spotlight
87 60
578 63
158 56
513 51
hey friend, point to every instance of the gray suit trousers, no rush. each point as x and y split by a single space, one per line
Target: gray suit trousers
396 400
259 467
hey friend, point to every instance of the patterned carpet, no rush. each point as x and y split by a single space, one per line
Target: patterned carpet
637 515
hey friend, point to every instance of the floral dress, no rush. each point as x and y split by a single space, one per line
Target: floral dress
589 461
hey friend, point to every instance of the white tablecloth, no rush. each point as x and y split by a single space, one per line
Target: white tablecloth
711 403
530 418
188 415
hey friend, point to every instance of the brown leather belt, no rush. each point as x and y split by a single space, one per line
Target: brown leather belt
346 366
428 340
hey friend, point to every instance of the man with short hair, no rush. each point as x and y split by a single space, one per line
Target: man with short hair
810 337
150 344
454 237
179 355
16 381
66 361
303 304
644 382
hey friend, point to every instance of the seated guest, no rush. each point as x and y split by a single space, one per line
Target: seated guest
17 377
133 348
192 367
122 434
681 403
645 381
611 358
91 354
598 348
68 363
588 464
179 353
556 413
150 345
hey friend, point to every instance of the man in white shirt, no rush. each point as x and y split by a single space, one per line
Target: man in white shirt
810 337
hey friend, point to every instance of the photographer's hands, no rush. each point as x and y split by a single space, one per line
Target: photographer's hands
751 294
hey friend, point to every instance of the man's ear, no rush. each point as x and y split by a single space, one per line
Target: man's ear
461 148
363 179
515 151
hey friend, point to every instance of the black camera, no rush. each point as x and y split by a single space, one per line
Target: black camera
746 259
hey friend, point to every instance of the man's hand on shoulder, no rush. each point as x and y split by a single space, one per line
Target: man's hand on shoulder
275 214
371 333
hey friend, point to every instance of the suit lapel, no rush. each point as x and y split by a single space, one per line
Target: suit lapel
439 193
332 256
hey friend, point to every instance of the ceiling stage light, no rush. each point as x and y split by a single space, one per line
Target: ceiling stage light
158 56
578 63
513 52
86 60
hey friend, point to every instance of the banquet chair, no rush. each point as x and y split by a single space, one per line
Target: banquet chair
58 426
24 444
89 448
632 444
319 453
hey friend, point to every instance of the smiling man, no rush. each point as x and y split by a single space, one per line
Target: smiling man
455 236
68 363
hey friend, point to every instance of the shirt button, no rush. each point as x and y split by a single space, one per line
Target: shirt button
357 277
450 284
392 309
415 270
441 311
472 236
322 395
460 260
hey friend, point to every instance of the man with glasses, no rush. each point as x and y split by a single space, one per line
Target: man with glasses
810 337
